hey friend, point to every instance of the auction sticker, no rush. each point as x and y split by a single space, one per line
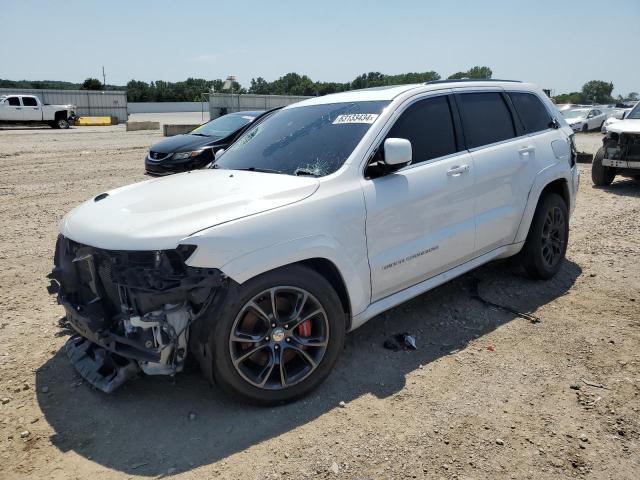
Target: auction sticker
356 118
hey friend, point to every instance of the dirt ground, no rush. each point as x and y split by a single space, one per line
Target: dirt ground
487 394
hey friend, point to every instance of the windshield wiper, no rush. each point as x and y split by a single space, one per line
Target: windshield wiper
301 172
200 134
258 169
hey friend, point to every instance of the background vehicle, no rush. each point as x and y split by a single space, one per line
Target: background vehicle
318 218
615 115
197 148
620 151
584 119
29 109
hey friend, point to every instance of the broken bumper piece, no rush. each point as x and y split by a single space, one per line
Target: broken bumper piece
132 311
101 368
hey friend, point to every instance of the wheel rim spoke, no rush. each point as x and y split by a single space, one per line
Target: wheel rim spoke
240 337
256 308
274 303
311 341
247 353
312 363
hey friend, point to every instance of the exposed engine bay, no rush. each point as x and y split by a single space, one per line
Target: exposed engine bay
132 310
622 150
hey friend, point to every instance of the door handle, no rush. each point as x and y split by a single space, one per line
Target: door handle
18 108
457 170
526 150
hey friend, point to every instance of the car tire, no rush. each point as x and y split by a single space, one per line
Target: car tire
601 175
585 128
62 123
546 243
258 377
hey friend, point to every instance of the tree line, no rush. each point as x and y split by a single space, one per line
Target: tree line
596 91
193 89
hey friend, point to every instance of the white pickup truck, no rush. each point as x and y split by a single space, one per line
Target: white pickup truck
18 108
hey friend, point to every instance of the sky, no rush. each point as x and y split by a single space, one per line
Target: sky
559 44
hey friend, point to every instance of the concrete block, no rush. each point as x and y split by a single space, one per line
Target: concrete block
171 130
133 126
95 121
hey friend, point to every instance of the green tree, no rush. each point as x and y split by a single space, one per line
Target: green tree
633 97
597 91
259 86
474 72
91 84
573 97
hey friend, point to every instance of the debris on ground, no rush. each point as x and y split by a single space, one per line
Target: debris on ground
593 384
475 294
401 341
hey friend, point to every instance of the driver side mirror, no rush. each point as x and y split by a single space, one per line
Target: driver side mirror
217 153
397 152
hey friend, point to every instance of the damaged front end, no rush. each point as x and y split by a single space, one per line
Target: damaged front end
131 309
622 151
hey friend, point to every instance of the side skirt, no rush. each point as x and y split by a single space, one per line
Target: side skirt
402 296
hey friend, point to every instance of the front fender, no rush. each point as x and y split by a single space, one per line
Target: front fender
262 260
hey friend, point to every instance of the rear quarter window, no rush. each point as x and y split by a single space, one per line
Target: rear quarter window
533 114
486 118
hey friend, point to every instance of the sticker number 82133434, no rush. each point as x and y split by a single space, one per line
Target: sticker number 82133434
355 118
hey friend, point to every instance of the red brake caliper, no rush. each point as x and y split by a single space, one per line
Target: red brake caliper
304 329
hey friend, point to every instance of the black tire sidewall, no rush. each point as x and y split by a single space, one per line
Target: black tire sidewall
601 175
532 250
225 374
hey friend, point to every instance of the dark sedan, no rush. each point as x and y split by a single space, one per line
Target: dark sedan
197 148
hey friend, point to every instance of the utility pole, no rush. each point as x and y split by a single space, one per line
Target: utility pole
104 78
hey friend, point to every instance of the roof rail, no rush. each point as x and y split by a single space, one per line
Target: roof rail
462 80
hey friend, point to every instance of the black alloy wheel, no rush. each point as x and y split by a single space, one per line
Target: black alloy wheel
553 237
279 337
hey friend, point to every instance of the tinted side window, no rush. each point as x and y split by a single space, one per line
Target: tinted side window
15 101
428 125
531 111
486 118
29 102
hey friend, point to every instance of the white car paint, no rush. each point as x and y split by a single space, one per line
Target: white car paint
593 118
625 126
25 112
433 223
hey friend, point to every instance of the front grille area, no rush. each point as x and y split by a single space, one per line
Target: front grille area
158 155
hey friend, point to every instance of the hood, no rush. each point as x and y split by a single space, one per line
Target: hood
573 121
157 214
625 126
183 143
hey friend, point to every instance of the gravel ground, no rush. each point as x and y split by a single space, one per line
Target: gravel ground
486 395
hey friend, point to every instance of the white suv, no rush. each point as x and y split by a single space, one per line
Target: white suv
320 217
